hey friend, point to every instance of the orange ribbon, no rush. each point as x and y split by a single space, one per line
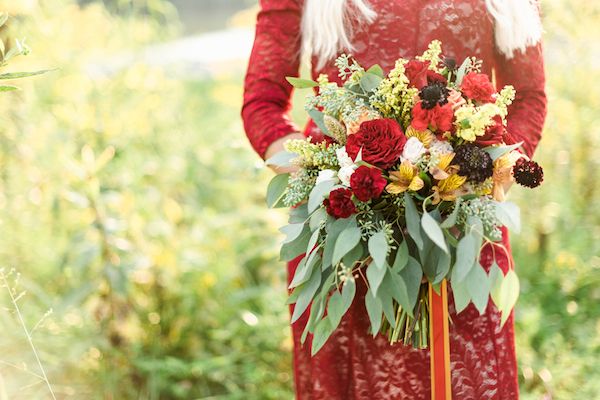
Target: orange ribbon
439 343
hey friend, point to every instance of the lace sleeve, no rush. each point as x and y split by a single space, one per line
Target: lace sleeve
525 71
275 55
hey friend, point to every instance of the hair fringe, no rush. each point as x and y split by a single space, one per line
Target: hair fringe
327 31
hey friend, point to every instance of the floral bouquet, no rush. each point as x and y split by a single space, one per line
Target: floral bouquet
403 193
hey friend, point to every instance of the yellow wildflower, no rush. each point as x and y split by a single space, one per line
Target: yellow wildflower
406 178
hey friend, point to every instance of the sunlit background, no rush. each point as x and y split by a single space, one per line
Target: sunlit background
132 207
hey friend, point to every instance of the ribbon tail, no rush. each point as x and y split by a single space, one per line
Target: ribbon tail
439 343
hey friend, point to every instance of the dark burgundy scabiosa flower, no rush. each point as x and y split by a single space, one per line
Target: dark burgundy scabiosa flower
436 93
340 204
474 163
367 183
528 173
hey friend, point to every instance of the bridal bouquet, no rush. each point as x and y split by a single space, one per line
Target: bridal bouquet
405 191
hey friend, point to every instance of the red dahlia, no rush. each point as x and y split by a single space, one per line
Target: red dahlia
367 183
381 142
340 204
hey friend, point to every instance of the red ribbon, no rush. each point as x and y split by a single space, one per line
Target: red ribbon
439 343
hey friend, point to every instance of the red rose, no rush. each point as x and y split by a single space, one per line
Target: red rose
438 118
381 141
367 183
416 72
493 134
340 204
478 87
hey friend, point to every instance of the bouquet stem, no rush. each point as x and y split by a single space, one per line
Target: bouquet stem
411 328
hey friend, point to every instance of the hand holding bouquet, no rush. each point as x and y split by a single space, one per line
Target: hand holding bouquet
408 185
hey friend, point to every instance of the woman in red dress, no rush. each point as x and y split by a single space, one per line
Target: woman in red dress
505 34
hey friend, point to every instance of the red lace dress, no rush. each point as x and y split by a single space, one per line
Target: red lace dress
353 365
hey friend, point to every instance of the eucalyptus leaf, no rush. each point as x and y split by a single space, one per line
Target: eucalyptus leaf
496 152
496 277
300 83
276 189
413 221
509 215
297 247
450 221
317 218
433 230
509 293
322 332
378 247
348 293
292 231
401 257
466 254
370 81
281 159
374 310
375 274
344 243
461 296
319 119
412 275
306 294
317 309
376 70
335 307
478 286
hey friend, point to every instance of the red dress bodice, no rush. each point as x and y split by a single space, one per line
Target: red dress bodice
353 365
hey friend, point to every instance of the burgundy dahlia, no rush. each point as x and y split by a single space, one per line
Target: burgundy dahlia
528 173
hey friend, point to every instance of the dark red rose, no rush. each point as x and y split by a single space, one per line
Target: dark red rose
438 119
433 77
340 204
478 87
367 183
493 134
416 72
381 141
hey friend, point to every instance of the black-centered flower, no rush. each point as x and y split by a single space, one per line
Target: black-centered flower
474 163
434 93
528 173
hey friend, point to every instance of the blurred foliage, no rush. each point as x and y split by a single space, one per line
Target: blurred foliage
133 207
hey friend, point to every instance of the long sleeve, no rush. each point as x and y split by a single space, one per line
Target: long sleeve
275 55
525 71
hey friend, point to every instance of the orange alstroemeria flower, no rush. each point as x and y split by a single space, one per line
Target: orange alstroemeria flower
406 178
503 173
